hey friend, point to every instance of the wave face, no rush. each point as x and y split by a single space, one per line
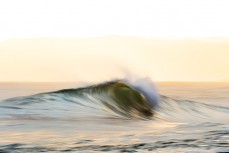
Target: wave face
116 99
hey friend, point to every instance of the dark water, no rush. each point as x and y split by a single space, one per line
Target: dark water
114 117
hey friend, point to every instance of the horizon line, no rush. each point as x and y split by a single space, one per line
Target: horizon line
108 81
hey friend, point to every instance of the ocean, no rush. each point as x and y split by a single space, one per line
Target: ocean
114 117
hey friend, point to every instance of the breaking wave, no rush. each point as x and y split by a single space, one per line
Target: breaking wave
115 99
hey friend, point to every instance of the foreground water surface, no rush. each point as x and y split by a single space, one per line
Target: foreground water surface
189 117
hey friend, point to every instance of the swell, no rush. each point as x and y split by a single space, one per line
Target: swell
116 99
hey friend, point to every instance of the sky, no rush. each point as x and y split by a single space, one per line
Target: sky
93 40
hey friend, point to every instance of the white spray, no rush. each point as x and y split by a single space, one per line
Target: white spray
143 85
147 88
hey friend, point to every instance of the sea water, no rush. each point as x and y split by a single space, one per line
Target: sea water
42 117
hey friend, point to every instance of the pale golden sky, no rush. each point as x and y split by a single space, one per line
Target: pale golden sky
103 58
71 40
